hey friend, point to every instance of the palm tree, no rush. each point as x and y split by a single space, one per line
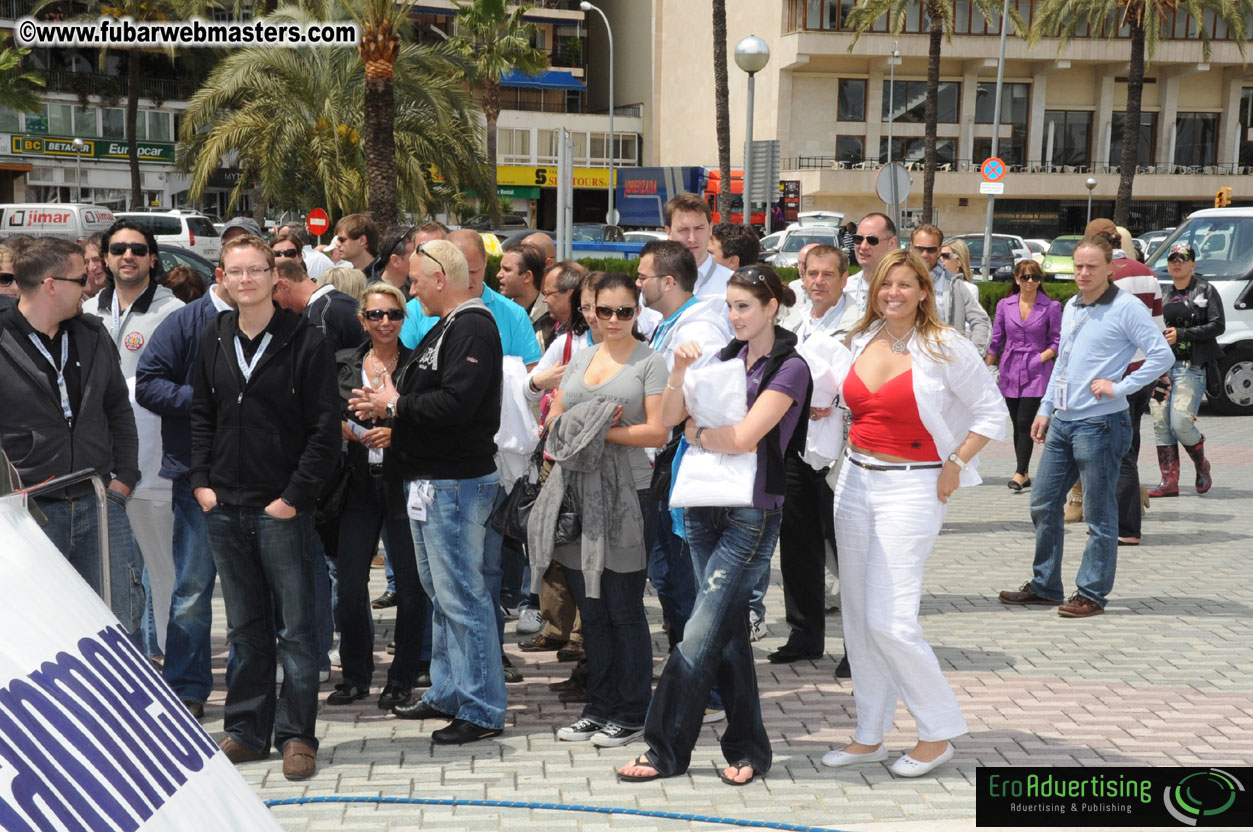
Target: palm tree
382 22
1140 21
496 40
17 87
294 122
722 114
940 28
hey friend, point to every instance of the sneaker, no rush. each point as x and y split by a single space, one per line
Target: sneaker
334 657
581 731
278 675
611 736
391 648
324 676
529 622
757 627
712 715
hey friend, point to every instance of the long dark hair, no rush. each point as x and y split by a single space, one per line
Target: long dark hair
764 284
1023 267
607 281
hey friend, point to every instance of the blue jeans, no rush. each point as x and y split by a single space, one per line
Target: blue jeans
455 565
1174 420
324 595
363 519
1090 450
731 547
187 654
493 566
671 573
73 527
267 566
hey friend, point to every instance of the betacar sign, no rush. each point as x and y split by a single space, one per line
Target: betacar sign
91 149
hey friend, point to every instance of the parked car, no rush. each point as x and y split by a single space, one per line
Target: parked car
516 237
1223 241
510 222
1002 256
823 218
794 239
1152 239
70 221
1059 262
181 228
596 232
172 256
770 244
1038 248
644 236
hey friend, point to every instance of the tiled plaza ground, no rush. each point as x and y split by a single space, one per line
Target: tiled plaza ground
1162 678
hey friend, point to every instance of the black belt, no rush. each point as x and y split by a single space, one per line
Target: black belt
913 466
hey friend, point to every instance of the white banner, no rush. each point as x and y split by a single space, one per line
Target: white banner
91 737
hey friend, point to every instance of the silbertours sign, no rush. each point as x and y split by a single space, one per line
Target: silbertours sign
1113 796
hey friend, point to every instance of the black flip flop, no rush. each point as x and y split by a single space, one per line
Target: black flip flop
742 764
640 761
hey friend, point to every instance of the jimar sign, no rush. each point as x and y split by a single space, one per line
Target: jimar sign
92 148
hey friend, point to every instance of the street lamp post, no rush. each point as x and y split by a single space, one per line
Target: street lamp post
79 145
611 217
751 55
1091 183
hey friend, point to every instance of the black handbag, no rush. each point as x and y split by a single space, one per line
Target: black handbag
659 485
334 494
511 516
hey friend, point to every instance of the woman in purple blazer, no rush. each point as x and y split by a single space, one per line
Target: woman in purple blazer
1024 338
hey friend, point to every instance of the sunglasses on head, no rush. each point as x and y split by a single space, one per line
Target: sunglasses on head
118 249
422 250
286 252
923 249
623 313
380 314
404 240
6 278
858 239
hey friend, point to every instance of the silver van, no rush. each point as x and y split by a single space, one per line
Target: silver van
70 221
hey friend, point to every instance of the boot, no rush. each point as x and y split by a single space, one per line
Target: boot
1197 452
1168 461
1074 505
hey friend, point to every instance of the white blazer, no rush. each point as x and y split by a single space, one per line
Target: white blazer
954 397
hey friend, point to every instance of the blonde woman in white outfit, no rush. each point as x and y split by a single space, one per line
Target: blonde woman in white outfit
923 406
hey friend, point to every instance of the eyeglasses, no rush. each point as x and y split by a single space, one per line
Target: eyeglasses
81 281
6 278
858 239
547 295
922 249
1177 258
286 252
255 273
623 313
1032 276
380 314
422 250
950 255
138 249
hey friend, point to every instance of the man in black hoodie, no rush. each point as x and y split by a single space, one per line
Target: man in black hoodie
264 437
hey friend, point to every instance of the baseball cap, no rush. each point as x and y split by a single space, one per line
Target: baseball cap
1181 248
248 225
1103 227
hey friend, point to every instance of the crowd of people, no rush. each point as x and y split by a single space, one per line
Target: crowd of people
526 450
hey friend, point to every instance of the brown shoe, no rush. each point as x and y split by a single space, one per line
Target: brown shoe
300 760
1025 595
572 652
541 643
1079 607
237 752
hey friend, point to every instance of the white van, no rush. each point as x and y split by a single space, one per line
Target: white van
189 229
71 221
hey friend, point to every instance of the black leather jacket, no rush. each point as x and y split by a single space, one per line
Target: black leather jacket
1201 322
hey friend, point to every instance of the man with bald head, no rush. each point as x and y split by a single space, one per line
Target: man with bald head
545 244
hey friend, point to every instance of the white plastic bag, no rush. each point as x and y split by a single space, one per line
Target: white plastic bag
716 394
707 478
519 432
829 362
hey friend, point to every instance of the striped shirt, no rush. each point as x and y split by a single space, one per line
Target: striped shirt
1138 279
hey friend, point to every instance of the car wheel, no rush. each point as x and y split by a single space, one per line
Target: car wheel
1236 374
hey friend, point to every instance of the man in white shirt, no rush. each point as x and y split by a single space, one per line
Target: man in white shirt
689 221
875 237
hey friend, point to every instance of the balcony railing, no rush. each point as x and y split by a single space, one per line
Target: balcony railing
626 110
94 83
968 166
568 55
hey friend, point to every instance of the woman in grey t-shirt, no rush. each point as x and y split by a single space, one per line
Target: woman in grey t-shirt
621 369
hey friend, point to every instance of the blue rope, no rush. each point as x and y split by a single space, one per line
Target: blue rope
562 807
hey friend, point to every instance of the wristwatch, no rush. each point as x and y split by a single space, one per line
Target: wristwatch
700 446
956 460
391 407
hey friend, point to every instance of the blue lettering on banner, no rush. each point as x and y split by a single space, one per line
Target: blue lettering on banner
94 741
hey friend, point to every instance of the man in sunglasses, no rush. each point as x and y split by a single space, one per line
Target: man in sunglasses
66 409
875 237
958 306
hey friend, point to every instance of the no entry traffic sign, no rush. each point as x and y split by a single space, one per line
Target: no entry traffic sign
317 222
993 169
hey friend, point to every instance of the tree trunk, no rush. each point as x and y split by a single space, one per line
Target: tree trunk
491 111
132 117
1131 127
933 93
722 114
379 107
259 208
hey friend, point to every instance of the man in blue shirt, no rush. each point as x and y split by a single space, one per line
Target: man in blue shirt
1085 427
517 337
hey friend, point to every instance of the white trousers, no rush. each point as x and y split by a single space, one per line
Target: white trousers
886 523
152 522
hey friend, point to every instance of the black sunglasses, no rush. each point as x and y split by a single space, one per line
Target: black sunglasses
286 252
623 313
380 314
404 240
6 278
865 238
950 255
118 249
1032 276
1178 258
422 250
923 249
81 281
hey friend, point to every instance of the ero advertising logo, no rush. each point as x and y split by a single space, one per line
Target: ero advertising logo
1112 796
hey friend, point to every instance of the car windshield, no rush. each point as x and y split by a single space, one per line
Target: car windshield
1000 248
1063 246
795 242
1223 246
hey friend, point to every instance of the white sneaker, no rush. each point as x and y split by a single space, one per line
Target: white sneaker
712 715
278 674
841 758
529 622
580 731
757 627
612 736
334 657
324 676
907 766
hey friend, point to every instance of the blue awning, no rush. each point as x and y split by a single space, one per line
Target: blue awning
549 79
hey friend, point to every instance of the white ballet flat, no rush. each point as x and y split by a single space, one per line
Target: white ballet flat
838 759
907 766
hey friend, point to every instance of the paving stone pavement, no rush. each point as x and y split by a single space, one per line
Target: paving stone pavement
1163 678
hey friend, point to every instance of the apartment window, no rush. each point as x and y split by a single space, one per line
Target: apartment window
1069 133
580 148
113 123
627 148
1010 151
159 127
11 121
850 149
1015 99
1147 153
1246 124
86 121
852 100
912 150
513 147
60 119
910 100
1196 139
822 14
